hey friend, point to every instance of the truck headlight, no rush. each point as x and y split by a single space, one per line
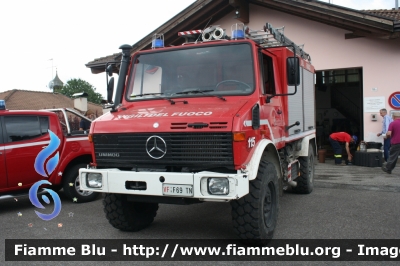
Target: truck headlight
94 180
218 186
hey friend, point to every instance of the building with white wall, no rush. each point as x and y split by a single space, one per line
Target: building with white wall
356 54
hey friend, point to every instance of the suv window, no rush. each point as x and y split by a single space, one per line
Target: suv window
25 127
44 124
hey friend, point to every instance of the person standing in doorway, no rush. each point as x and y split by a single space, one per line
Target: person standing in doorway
385 125
394 134
335 139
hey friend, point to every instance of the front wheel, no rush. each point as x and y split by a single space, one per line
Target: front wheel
72 186
255 215
127 215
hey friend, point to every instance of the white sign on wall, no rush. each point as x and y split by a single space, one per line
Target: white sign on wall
373 104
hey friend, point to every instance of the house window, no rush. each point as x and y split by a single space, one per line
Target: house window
340 76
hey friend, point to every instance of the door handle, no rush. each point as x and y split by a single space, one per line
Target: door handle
44 147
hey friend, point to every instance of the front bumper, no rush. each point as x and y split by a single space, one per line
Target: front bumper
153 183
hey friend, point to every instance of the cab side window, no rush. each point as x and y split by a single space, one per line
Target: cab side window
44 124
267 73
19 128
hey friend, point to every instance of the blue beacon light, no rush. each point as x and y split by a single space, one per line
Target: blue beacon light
2 105
238 34
158 41
237 31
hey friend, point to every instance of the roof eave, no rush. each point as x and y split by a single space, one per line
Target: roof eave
196 16
206 12
360 22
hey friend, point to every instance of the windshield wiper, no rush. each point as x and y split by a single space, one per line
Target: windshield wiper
145 94
155 94
203 92
193 91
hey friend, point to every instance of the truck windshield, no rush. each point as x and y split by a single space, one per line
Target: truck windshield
212 70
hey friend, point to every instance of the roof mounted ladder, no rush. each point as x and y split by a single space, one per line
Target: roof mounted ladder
271 37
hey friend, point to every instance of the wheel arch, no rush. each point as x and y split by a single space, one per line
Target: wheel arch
86 158
305 144
267 150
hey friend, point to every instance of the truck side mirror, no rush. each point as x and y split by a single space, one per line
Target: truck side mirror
110 90
293 71
109 70
110 84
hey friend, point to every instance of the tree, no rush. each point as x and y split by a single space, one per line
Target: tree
78 85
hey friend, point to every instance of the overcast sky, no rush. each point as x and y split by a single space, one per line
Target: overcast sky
74 32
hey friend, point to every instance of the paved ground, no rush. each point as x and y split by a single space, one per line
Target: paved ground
348 202
329 175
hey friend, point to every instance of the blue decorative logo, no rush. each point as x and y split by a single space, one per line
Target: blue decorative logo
45 153
35 201
40 168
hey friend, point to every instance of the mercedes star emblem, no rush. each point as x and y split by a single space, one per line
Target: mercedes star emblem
156 147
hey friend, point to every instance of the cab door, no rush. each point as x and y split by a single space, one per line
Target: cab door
24 138
272 113
3 171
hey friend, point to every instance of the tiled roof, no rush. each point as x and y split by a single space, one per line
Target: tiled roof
342 17
106 59
389 13
36 100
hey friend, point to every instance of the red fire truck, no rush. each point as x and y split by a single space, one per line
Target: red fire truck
24 134
217 119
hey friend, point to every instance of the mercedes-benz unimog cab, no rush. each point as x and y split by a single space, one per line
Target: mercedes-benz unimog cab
216 119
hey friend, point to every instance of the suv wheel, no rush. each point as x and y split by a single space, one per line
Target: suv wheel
71 186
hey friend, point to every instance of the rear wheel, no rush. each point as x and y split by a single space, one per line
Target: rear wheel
127 215
255 215
305 182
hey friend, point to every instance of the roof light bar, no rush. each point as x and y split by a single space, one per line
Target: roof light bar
189 32
190 35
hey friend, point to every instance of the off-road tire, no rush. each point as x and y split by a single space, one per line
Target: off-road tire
127 215
305 182
255 215
71 186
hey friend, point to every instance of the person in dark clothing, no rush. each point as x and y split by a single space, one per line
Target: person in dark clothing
335 139
84 125
394 134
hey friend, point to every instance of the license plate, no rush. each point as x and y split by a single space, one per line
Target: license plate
177 190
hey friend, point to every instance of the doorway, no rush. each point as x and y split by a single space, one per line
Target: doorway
339 103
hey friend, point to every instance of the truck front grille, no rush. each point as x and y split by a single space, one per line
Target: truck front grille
163 149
